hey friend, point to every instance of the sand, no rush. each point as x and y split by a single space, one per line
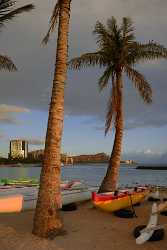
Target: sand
87 229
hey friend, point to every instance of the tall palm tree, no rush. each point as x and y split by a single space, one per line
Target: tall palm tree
118 52
47 222
7 13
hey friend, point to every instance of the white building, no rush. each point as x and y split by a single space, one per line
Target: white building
18 149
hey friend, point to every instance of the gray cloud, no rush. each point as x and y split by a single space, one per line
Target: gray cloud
8 119
36 142
31 85
33 141
8 113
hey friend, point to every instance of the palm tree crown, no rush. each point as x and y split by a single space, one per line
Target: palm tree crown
118 52
7 13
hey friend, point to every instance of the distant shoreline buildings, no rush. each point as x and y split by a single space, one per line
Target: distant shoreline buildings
68 159
18 149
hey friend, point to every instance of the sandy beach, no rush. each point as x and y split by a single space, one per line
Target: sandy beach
86 228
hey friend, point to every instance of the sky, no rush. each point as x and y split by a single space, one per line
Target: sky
25 94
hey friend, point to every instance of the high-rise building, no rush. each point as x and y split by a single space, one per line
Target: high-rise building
18 149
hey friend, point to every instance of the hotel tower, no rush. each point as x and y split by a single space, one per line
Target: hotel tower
18 149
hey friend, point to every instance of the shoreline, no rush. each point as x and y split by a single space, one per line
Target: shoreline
39 164
87 228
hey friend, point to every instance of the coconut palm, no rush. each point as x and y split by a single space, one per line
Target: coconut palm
118 52
7 13
47 222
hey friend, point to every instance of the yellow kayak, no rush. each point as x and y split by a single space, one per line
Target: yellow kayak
110 202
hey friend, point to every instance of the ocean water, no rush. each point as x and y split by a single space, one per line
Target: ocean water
92 174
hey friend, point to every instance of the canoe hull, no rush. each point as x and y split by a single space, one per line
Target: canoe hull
27 200
122 202
11 204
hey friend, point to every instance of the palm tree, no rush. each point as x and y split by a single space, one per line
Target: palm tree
47 222
7 13
118 52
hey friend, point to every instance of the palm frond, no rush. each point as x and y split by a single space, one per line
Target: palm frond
7 64
127 26
119 51
140 83
111 107
112 25
152 50
9 15
53 22
104 79
149 51
5 6
102 35
86 60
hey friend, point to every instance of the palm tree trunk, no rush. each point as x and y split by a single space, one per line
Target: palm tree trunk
47 222
110 180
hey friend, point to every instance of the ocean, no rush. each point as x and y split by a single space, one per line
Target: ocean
92 174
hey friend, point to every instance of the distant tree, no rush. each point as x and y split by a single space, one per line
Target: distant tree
7 13
47 222
118 52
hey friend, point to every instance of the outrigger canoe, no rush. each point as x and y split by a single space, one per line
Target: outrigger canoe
111 202
24 198
27 182
19 182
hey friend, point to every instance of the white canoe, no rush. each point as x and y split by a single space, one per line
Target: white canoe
28 198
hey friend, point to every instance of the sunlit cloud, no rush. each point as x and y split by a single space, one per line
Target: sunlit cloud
147 156
8 113
34 141
12 109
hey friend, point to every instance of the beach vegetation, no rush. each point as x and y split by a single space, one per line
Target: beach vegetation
7 13
117 53
47 221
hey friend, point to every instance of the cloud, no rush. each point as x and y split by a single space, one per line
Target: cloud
31 85
8 119
8 113
147 156
34 141
12 109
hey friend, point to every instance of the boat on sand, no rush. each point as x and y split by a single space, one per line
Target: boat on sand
111 201
19 182
16 199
